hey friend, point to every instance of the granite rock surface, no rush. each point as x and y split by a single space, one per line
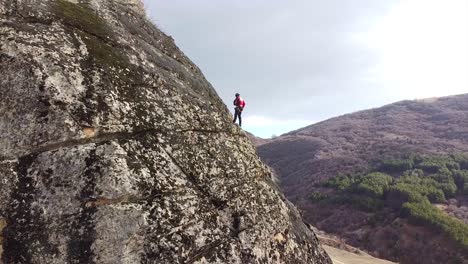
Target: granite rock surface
115 149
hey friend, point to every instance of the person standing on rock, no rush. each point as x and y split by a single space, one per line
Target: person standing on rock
240 104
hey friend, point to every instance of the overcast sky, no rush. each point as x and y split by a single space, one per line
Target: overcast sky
297 62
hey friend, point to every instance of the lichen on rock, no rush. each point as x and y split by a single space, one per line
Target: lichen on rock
116 149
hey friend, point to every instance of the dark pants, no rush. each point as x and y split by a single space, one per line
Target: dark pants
238 113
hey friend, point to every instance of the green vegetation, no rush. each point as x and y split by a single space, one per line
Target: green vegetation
360 202
373 184
94 32
397 165
317 196
82 17
460 178
418 182
103 53
341 182
426 214
435 164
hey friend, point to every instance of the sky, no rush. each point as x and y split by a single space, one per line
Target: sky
298 62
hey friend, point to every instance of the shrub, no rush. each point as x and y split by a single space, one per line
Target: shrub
373 184
396 165
436 196
460 177
317 196
462 160
446 183
360 202
424 213
339 183
368 204
430 166
452 166
437 164
419 189
424 180
414 172
405 193
449 189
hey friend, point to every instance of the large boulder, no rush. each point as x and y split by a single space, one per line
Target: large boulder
115 149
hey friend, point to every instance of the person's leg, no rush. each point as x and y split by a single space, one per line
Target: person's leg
240 118
235 116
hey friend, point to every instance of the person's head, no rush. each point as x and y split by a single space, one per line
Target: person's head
237 94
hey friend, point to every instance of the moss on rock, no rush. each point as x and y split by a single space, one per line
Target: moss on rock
81 17
103 53
94 32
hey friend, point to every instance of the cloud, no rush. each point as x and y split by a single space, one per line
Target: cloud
313 59
422 56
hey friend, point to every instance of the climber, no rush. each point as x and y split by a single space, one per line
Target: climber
240 104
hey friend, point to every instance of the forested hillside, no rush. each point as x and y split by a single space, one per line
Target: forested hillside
390 180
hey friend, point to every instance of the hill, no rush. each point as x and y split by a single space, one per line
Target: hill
257 141
352 142
361 143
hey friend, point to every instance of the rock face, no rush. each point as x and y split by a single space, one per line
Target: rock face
115 149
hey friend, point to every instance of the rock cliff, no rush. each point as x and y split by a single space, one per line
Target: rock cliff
115 149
